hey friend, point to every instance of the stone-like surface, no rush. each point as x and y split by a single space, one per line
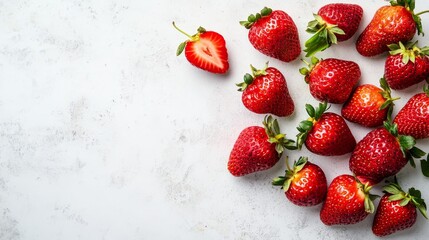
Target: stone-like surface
106 134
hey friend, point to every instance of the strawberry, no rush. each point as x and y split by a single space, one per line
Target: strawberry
325 134
369 105
406 65
390 24
397 210
383 153
413 118
336 22
205 50
274 34
331 79
348 201
305 184
265 91
258 148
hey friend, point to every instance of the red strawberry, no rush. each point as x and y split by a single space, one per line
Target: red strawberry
383 153
334 22
258 148
406 65
205 50
348 201
413 118
331 79
325 134
397 210
265 91
274 34
305 184
390 24
369 105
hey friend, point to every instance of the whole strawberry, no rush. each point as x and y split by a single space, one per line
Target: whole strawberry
383 153
369 105
348 201
336 22
205 50
266 91
406 65
258 148
325 133
274 34
305 184
390 24
331 79
413 118
397 210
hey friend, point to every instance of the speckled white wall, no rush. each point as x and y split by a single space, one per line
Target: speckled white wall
106 134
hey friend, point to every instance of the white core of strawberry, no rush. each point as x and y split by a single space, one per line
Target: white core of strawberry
206 50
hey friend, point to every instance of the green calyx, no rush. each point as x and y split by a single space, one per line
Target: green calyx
369 198
426 88
406 143
192 38
409 51
413 196
255 17
410 5
425 166
386 93
272 130
305 126
248 78
310 65
324 35
286 180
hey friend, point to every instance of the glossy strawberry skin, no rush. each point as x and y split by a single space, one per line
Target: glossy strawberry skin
346 16
377 156
332 80
208 52
276 36
400 76
330 136
252 152
269 94
390 24
391 217
344 202
413 118
309 186
364 106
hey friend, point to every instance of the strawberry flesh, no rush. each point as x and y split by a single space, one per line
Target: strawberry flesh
208 52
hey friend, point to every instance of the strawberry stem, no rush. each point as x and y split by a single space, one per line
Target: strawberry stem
423 12
193 38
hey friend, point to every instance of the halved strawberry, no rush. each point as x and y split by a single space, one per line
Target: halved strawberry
205 50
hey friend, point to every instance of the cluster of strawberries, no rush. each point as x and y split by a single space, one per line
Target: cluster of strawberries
382 153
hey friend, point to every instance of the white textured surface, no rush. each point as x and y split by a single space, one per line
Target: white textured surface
106 134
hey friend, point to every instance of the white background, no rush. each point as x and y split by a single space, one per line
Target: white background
106 134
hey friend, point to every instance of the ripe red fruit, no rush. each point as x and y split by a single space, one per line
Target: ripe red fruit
331 79
390 24
336 22
266 91
274 34
369 105
397 210
406 65
413 118
348 201
383 153
325 134
205 50
305 184
258 148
